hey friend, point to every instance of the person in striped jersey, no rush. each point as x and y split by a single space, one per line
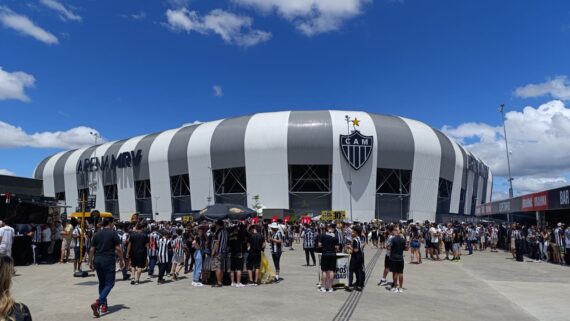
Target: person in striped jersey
276 240
355 248
309 244
153 238
163 257
178 248
219 247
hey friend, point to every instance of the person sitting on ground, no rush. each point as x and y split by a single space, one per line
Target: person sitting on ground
9 309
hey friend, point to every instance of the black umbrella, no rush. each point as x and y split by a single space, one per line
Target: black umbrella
227 211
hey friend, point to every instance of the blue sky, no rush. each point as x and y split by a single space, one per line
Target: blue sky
126 68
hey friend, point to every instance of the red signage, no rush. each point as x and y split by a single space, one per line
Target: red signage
535 202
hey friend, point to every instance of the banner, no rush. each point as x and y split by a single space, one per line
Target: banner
341 273
333 215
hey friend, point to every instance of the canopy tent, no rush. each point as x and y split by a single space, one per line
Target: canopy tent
226 211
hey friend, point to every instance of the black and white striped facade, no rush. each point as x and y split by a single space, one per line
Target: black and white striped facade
277 153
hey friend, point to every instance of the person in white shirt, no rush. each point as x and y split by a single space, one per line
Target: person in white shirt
6 239
46 242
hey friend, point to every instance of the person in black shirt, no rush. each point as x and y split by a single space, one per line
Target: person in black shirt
256 246
397 247
137 252
356 260
106 247
330 245
235 243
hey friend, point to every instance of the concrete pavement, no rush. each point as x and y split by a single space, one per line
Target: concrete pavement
485 286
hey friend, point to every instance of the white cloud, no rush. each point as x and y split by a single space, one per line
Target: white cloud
65 14
13 85
311 17
538 141
24 25
135 16
558 88
12 136
218 92
530 184
233 29
4 171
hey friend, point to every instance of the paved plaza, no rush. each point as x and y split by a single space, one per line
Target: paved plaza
485 286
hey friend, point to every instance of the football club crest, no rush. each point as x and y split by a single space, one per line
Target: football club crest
356 147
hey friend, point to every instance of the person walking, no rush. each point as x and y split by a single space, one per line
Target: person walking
152 250
137 252
105 249
163 258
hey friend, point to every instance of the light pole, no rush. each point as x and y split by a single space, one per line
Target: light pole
347 118
156 205
502 111
210 186
95 177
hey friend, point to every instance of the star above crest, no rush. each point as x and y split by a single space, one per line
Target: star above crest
356 122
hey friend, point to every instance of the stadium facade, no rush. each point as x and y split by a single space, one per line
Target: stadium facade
371 165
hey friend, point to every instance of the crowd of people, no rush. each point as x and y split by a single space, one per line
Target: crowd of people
207 251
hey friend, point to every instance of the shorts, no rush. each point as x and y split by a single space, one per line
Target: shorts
76 253
455 247
435 246
387 262
415 244
397 266
178 259
448 246
428 244
236 264
513 244
253 262
562 250
328 263
138 261
494 242
216 263
65 245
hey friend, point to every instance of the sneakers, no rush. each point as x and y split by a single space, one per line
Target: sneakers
95 308
322 290
104 309
400 290
395 290
330 290
197 284
239 285
233 285
382 282
252 284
